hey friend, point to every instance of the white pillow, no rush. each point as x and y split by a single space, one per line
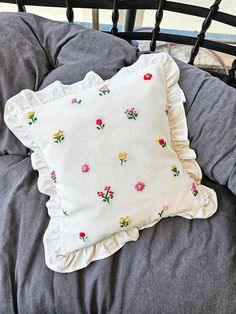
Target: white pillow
111 157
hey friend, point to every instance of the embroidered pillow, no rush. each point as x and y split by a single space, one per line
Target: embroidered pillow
113 157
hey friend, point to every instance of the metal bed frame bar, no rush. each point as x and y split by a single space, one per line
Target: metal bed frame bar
160 6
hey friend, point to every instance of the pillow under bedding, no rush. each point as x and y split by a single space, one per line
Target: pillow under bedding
113 156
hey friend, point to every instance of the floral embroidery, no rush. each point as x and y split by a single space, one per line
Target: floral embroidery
100 124
75 101
139 186
53 176
31 117
83 236
147 77
131 113
194 189
167 109
175 170
124 221
161 141
104 90
85 168
107 195
163 208
122 156
58 136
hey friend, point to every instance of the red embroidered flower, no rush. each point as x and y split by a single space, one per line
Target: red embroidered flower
83 236
100 124
147 76
85 168
139 186
161 141
107 195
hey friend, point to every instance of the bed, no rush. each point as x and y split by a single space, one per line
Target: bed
192 268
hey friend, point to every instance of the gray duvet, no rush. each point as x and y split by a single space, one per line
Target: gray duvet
179 266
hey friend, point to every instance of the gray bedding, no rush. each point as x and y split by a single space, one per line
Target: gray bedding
178 266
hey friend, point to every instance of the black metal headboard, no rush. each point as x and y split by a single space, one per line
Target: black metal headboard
160 6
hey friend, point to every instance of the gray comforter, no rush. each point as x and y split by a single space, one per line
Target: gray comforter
178 266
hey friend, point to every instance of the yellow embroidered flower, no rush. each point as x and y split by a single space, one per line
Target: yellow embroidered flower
173 167
31 116
175 170
124 221
58 136
122 156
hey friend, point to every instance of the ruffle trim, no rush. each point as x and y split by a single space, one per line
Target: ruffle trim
176 112
14 117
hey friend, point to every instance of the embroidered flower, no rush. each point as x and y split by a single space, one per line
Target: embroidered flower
31 117
194 189
107 195
104 90
161 141
100 124
58 136
85 168
163 208
53 176
83 236
122 156
131 113
167 109
124 221
76 101
175 170
139 186
147 77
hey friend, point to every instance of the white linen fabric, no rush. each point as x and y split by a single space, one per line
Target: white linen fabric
113 156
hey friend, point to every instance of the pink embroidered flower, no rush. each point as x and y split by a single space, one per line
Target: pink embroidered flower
147 76
131 113
163 208
83 236
85 168
100 124
75 101
194 189
107 195
53 176
104 90
139 186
